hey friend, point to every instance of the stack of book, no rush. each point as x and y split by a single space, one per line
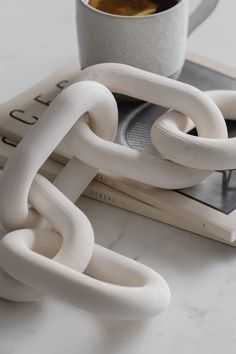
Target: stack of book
207 209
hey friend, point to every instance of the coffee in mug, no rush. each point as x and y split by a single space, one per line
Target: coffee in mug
132 7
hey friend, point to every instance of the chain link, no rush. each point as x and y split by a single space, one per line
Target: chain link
51 247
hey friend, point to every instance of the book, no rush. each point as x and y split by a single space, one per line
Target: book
207 209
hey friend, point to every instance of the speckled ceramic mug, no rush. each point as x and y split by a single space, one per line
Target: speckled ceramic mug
156 43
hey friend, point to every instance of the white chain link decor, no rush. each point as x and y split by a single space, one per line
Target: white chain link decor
50 247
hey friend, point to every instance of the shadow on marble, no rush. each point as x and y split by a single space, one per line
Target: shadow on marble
118 335
157 245
14 313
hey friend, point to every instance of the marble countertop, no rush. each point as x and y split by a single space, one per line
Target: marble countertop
36 38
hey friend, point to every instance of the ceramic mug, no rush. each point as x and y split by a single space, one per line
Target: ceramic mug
156 43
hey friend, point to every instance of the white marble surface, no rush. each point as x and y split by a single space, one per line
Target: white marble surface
37 37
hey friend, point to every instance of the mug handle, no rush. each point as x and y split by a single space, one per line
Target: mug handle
200 14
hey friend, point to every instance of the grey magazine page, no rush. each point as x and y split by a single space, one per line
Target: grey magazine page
218 191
